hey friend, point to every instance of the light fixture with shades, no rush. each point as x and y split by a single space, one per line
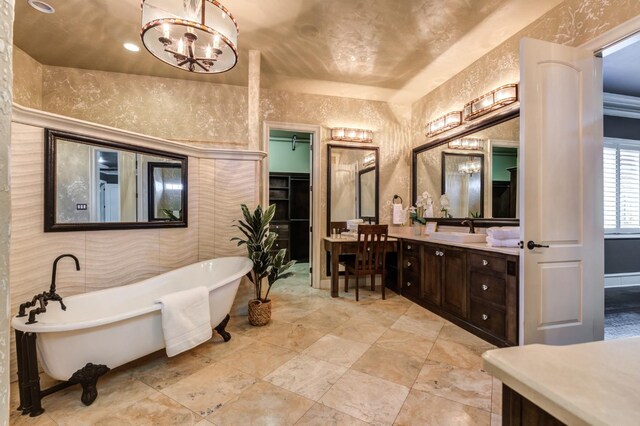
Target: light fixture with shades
444 123
369 160
467 143
200 36
498 98
470 167
351 135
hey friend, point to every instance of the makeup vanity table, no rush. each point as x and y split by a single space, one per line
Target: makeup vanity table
346 245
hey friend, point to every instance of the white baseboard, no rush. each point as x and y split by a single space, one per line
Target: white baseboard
622 280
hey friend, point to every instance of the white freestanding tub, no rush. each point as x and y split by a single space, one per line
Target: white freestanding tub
120 324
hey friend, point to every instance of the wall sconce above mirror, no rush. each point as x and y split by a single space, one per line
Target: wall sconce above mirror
351 135
93 184
444 123
498 98
467 143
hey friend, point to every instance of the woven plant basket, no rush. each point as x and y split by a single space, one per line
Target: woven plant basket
259 312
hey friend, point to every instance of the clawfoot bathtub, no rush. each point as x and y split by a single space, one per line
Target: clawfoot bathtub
105 329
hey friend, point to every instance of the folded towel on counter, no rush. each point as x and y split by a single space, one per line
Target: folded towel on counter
186 321
399 214
504 233
503 243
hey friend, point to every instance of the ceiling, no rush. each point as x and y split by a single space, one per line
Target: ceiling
372 47
621 69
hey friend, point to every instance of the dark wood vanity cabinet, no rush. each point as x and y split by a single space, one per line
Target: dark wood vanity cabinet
475 289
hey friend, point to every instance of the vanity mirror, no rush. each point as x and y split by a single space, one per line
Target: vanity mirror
92 184
476 167
352 185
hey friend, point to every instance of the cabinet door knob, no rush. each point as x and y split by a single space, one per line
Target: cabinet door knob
408 246
408 264
485 317
408 284
485 262
485 287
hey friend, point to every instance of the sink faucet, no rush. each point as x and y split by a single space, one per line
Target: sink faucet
472 228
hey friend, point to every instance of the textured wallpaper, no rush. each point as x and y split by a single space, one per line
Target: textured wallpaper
167 108
6 43
573 22
390 124
27 79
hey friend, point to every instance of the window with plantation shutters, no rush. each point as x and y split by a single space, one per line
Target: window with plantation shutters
621 161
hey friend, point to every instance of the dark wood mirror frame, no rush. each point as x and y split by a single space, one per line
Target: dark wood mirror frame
50 184
462 154
343 225
377 178
151 190
457 133
360 174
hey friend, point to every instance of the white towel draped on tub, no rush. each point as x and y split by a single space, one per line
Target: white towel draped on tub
186 321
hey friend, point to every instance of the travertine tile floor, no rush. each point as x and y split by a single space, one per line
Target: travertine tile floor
321 361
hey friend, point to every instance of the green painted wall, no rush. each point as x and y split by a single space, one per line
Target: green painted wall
282 159
502 161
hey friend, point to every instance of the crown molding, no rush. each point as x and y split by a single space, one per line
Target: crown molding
47 120
621 105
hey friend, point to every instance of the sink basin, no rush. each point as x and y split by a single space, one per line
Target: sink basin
458 237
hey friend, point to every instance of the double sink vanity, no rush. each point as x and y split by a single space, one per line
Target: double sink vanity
469 283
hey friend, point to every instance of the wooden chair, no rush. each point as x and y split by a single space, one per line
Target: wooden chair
370 256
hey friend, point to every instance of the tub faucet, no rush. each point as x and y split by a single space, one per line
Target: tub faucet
52 290
472 228
46 296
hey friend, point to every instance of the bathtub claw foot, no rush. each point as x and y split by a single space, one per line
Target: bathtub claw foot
220 328
88 377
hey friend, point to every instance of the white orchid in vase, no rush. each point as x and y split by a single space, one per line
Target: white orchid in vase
445 204
423 208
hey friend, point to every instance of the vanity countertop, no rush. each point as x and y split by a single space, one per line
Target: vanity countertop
591 383
406 233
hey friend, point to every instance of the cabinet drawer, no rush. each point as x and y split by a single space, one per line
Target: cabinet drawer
488 318
488 263
281 229
411 286
488 287
411 265
280 244
410 248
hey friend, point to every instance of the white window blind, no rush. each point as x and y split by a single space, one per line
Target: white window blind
621 161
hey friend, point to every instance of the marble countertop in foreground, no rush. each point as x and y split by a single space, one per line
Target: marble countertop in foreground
595 383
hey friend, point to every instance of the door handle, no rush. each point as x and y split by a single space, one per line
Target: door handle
408 264
531 245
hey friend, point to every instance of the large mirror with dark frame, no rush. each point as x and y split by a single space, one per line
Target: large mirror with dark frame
352 185
476 167
93 184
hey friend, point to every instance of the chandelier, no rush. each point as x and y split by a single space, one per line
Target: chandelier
194 35
470 167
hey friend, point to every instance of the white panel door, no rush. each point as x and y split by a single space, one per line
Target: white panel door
561 203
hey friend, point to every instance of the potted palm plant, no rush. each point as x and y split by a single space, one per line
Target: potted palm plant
266 265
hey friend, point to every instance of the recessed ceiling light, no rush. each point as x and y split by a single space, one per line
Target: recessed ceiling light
41 6
131 47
